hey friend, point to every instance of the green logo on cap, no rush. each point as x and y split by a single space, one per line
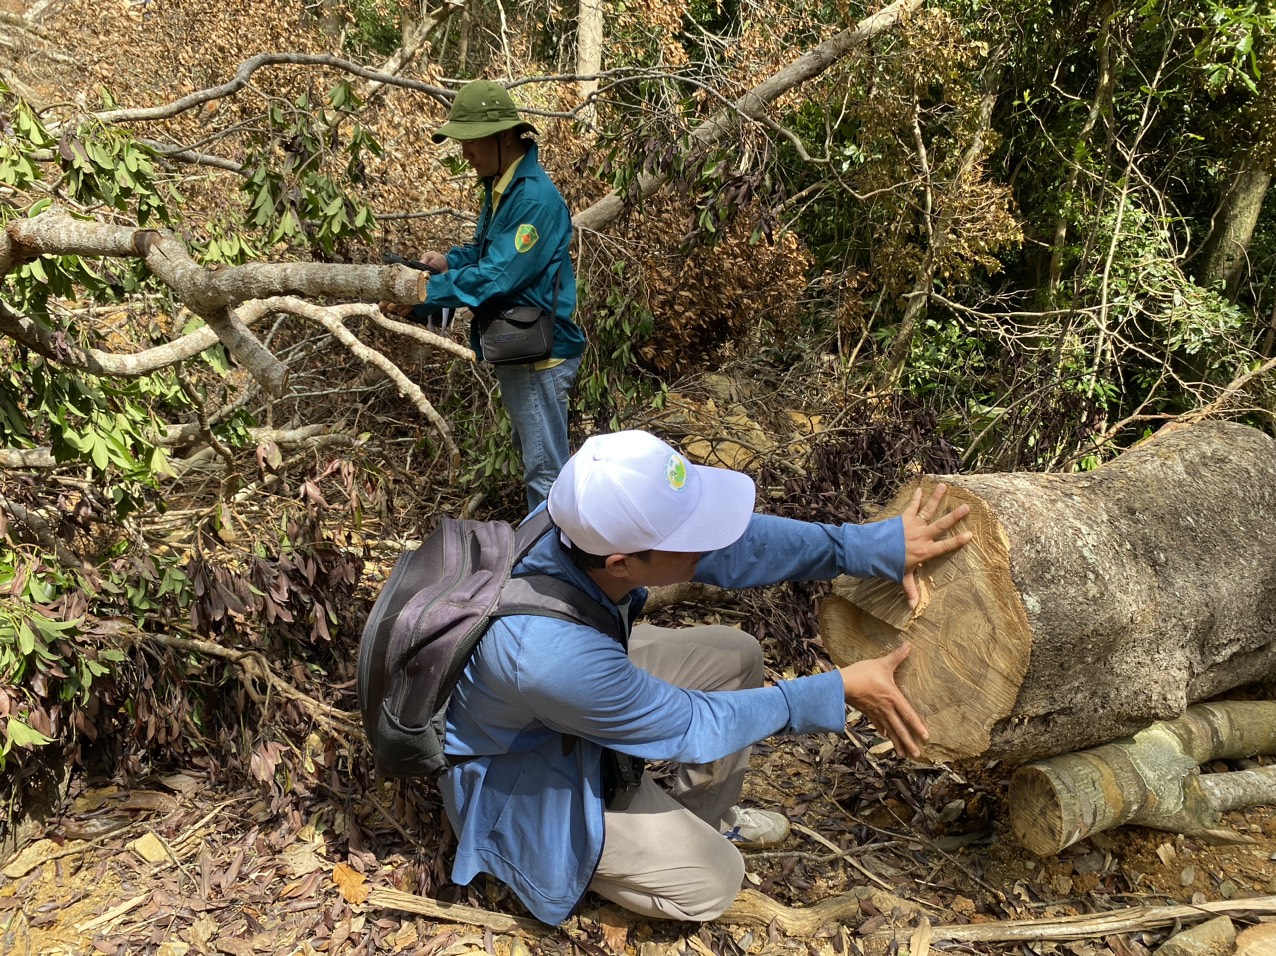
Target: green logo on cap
525 237
676 473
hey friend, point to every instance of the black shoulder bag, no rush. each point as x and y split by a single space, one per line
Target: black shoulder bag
517 334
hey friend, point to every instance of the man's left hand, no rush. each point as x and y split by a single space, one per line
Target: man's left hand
396 309
926 536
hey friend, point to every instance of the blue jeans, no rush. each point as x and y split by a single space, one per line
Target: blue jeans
537 406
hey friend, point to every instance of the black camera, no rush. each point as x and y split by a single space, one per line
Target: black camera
621 776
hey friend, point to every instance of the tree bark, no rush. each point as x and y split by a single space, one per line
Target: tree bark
589 46
1225 254
1087 605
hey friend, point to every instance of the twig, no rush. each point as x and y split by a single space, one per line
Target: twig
1090 925
452 912
201 414
245 71
1236 385
331 320
43 534
819 838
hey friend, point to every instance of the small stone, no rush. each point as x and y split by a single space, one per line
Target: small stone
30 857
1216 937
149 848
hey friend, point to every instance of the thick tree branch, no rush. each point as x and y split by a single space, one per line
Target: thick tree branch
54 347
176 435
211 293
753 104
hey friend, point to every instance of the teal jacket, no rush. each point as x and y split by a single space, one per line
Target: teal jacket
515 257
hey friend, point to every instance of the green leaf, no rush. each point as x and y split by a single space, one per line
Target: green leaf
52 629
100 452
22 735
26 638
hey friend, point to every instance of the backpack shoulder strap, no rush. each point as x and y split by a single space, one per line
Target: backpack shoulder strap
529 532
546 596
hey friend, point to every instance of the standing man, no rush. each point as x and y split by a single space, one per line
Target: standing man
520 255
547 711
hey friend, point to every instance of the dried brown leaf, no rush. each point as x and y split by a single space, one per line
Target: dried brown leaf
615 929
351 884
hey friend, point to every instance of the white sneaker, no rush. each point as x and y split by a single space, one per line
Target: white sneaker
751 828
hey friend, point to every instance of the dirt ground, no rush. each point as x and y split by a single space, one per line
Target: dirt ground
177 867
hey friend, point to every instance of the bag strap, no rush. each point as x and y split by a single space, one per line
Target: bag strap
543 595
528 533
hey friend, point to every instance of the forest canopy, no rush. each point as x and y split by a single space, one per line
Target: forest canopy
828 244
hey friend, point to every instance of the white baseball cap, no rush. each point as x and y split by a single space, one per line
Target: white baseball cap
629 491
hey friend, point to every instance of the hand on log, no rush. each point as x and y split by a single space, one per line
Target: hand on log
926 535
871 689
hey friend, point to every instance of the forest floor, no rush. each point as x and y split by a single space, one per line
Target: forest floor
176 865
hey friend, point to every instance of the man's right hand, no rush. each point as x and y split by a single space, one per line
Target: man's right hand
436 262
871 689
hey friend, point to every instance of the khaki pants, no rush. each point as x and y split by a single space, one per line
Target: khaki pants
664 855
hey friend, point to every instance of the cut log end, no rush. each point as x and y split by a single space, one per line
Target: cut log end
1258 940
969 632
1038 821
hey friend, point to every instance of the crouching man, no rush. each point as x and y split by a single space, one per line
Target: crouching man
548 727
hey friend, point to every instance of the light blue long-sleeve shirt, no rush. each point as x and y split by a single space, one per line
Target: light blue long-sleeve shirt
526 801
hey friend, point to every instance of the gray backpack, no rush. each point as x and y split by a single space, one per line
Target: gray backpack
429 618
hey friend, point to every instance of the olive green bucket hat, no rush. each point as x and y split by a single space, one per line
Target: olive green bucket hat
481 108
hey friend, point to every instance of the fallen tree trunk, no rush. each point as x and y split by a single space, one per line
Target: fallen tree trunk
1088 605
1152 778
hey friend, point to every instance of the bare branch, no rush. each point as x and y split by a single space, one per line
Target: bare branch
317 436
331 320
753 104
412 44
245 72
252 665
939 231
43 533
